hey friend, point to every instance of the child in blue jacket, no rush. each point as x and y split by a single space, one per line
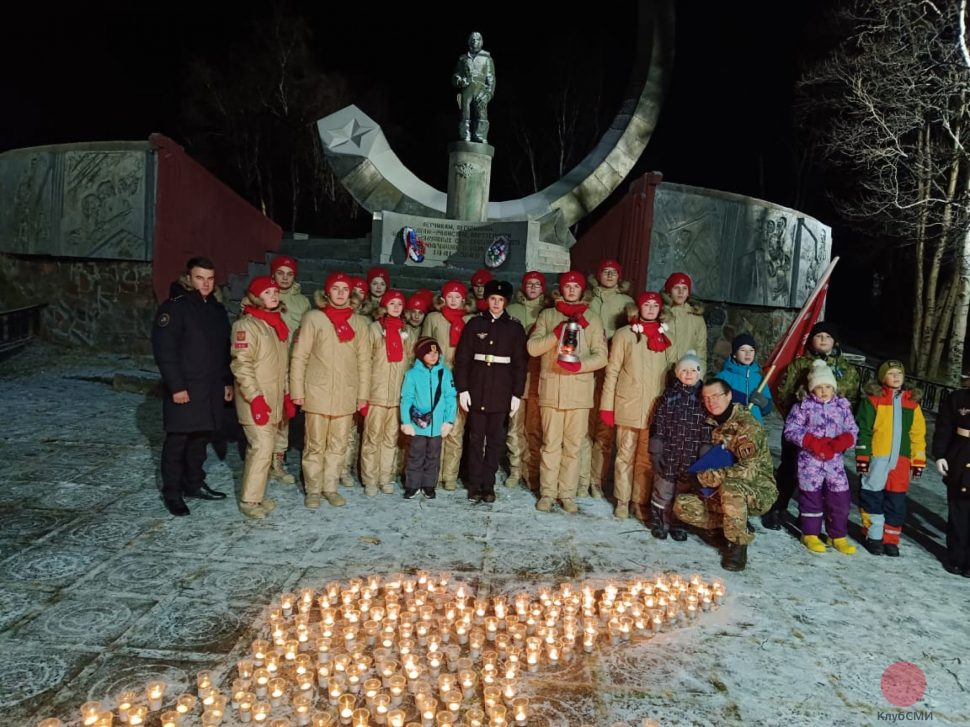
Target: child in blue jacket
743 375
429 405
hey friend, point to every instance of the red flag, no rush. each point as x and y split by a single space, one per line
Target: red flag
794 340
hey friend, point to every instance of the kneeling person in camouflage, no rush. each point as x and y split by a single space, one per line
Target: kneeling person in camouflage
729 495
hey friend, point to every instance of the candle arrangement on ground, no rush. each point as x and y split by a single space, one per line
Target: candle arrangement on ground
419 650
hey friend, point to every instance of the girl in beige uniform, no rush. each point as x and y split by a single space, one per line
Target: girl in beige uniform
259 364
392 351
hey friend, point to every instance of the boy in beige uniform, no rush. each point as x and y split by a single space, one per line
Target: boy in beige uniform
330 379
260 353
525 426
565 391
685 318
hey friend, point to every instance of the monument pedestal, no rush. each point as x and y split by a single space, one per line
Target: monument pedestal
469 178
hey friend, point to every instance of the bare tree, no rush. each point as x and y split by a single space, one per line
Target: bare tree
254 106
885 113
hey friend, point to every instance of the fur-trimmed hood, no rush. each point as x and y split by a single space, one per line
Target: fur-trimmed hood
543 301
874 388
256 302
696 307
631 311
184 285
621 287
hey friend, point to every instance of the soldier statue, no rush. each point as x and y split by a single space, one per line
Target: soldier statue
474 77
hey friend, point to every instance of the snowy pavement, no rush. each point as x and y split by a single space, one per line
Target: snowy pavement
100 589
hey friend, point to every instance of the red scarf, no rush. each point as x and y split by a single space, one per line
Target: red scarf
272 317
573 310
392 338
340 317
457 320
656 339
481 305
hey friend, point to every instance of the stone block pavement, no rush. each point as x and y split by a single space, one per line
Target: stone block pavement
100 589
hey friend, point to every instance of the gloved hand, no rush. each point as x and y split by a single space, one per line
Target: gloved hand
572 367
288 406
916 472
759 400
942 466
842 442
514 406
607 418
407 429
363 407
446 429
260 410
862 465
464 400
710 478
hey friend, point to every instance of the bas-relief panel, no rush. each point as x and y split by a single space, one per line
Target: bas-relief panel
737 251
77 203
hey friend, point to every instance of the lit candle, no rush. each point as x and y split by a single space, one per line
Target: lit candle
520 710
444 719
428 709
396 685
321 719
286 604
50 722
90 712
204 680
345 707
167 719
360 717
124 702
154 691
467 680
381 706
245 706
105 718
261 680
261 712
453 700
497 716
212 718
137 715
475 717
396 717
185 703
277 691
491 696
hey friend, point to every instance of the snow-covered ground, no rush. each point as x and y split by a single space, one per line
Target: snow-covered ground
100 589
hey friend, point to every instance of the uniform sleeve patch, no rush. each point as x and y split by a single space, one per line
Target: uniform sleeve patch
240 335
164 320
240 345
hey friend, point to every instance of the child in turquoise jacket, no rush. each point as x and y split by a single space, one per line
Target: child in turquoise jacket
429 405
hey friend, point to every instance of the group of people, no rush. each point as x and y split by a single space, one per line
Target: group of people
567 383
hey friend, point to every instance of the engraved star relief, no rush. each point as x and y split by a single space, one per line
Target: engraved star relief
351 132
467 169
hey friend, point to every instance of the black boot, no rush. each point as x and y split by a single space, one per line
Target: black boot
890 549
873 546
735 557
488 493
678 533
772 520
658 528
429 493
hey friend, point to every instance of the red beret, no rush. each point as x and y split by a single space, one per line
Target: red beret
391 295
283 261
534 275
648 296
359 284
454 286
418 302
261 283
573 276
377 272
609 263
335 278
679 279
481 276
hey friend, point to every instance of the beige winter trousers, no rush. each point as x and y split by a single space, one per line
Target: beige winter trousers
378 451
324 452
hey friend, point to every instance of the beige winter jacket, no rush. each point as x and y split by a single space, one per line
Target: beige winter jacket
386 378
559 388
437 327
635 377
259 364
687 329
332 376
609 304
295 304
526 312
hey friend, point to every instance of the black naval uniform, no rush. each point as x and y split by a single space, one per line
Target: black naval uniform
951 441
190 341
490 364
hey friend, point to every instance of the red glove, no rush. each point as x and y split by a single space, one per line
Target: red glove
818 447
288 406
364 408
842 442
862 465
825 449
916 472
260 410
570 366
607 418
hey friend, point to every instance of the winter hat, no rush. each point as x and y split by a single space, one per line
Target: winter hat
391 295
424 346
679 279
454 286
499 287
359 284
689 360
282 261
259 284
481 276
534 275
647 297
824 327
886 366
572 277
742 339
610 263
821 374
335 278
418 302
378 272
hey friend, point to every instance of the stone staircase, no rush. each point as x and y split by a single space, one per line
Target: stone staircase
318 257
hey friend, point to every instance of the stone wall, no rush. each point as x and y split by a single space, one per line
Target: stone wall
726 320
103 304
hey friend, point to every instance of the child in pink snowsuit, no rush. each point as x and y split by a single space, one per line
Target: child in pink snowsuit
823 426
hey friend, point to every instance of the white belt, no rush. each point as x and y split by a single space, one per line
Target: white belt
489 358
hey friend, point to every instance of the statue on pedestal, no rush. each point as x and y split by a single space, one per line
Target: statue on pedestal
474 77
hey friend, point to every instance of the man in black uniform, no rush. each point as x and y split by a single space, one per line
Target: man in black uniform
190 340
490 368
951 449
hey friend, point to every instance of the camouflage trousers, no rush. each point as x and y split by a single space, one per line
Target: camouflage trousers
728 509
